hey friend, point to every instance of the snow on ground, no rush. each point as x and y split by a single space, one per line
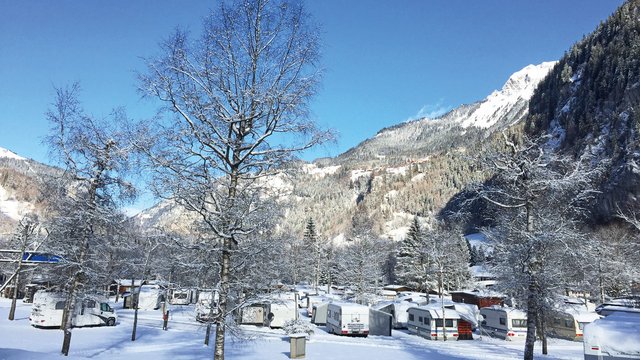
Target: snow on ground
320 172
356 174
397 170
11 207
184 340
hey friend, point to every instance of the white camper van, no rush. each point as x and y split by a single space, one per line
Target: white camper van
615 337
347 319
505 323
427 321
91 310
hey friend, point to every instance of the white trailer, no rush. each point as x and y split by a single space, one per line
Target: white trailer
181 296
207 305
505 323
428 320
615 337
150 297
91 310
347 319
281 312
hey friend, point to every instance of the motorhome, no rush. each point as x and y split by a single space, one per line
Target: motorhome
347 319
90 310
503 322
428 320
569 323
615 337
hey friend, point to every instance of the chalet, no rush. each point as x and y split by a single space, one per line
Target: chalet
480 298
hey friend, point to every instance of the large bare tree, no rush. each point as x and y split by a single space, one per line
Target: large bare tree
83 200
539 196
236 102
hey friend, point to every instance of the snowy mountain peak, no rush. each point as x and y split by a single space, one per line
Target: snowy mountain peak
524 81
4 153
511 100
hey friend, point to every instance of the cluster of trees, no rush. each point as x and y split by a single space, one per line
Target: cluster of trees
234 111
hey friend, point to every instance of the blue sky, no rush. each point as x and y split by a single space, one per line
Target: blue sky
385 61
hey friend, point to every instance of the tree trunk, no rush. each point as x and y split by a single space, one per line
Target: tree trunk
67 317
532 305
218 351
134 303
207 334
542 332
14 298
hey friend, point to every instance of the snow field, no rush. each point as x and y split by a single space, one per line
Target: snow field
185 340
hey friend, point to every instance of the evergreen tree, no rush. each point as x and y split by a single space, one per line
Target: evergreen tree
411 265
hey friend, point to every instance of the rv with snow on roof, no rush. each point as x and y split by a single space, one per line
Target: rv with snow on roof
347 319
505 323
91 310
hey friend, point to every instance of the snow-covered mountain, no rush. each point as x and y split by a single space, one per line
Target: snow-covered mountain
411 168
472 122
8 154
19 189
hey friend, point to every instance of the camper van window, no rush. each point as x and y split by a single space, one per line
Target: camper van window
568 323
438 322
105 307
556 321
60 305
448 322
411 317
503 321
518 322
419 319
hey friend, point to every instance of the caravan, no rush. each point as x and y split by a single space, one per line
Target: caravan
91 310
428 320
347 319
569 324
503 322
182 296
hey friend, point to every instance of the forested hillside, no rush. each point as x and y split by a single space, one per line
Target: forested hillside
589 103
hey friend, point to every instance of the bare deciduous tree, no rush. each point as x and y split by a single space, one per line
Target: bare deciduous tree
239 99
83 200
539 196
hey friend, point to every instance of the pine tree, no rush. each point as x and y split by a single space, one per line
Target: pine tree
411 265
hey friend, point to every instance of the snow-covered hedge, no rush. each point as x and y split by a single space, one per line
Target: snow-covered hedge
297 327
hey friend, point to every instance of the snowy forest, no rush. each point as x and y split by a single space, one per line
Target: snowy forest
548 182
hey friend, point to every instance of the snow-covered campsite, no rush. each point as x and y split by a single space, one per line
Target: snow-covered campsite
250 179
185 337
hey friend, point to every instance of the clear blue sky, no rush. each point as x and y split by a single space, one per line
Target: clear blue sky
386 61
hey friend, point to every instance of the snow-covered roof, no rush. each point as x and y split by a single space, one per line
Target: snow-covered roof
481 293
517 313
481 271
435 311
